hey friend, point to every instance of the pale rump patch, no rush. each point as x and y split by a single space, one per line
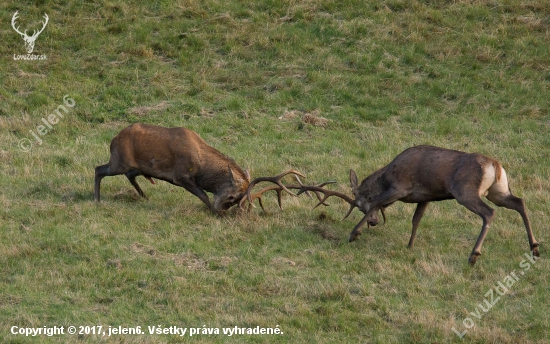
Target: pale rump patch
494 183
488 179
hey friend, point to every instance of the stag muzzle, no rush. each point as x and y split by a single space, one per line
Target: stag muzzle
222 206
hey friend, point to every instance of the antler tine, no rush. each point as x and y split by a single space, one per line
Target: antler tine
278 188
301 184
351 209
275 179
327 193
321 200
258 195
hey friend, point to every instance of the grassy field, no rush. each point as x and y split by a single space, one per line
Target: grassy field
386 75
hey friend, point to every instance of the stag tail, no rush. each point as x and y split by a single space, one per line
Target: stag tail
498 170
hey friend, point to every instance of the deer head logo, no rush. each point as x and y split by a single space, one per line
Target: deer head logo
29 40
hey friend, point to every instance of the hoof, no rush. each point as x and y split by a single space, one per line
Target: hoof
473 258
353 237
535 252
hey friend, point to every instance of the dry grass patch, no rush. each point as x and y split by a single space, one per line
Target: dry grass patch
312 118
144 110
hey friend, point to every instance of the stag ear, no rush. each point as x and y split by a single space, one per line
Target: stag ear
353 181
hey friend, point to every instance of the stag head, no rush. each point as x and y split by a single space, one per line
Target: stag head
360 201
29 40
233 192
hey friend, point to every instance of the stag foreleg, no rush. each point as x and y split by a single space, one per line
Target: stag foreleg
189 185
358 228
387 197
418 213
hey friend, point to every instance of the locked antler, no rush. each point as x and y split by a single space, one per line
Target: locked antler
327 193
279 188
300 186
318 189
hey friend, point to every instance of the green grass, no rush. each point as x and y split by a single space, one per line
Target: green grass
467 75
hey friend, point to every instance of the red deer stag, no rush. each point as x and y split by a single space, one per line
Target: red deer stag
180 157
424 174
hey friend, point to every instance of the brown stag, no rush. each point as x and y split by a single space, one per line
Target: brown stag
181 157
424 174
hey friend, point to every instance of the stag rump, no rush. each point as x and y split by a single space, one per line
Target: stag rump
424 174
181 157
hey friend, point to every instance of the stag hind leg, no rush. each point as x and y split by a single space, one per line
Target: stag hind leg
108 170
477 206
132 178
418 213
100 172
515 203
